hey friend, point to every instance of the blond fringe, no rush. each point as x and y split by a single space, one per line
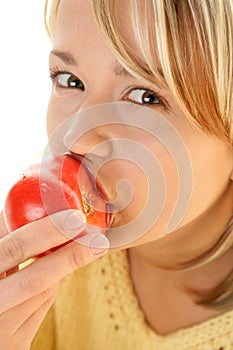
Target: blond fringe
209 106
50 16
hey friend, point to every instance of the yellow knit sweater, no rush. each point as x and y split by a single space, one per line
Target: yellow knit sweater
96 309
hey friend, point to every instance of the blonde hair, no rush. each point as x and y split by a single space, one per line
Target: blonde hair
187 47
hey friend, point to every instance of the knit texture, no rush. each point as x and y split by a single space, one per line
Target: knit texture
97 309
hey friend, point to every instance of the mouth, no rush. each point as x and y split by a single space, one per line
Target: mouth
97 185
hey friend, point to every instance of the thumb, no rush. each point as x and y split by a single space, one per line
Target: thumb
71 223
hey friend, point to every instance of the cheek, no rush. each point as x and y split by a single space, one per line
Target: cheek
212 165
128 188
149 186
51 121
60 108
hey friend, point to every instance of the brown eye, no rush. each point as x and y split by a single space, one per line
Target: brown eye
144 96
66 80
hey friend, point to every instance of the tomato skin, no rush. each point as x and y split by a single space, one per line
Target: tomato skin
58 183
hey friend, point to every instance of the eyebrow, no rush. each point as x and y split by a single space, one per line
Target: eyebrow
69 59
65 56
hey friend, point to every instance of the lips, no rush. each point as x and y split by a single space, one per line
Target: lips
98 186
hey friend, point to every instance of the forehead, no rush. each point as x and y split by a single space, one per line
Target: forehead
76 25
73 21
77 36
77 33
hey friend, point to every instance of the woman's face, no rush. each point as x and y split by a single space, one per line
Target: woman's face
85 74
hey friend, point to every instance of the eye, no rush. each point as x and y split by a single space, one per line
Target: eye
144 96
66 80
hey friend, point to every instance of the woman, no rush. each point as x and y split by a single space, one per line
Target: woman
158 290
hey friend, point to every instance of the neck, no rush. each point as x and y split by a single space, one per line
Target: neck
156 267
190 241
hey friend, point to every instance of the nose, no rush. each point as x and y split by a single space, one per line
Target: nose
89 133
92 143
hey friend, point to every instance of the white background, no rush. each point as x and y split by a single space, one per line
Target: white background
24 86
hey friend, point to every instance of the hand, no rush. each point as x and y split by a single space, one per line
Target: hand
26 295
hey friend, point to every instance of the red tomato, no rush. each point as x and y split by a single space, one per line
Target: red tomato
57 183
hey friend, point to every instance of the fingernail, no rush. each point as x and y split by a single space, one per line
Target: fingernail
75 221
99 245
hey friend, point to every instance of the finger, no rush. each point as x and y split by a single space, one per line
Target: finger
14 318
39 236
46 271
3 229
33 322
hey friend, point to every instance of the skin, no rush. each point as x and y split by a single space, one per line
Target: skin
27 295
154 257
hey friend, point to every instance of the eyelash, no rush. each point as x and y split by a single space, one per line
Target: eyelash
56 71
161 100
